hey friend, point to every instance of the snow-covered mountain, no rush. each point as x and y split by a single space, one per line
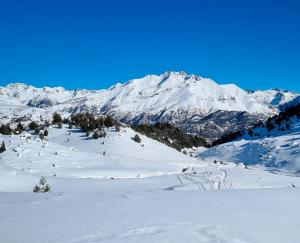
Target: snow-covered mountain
274 144
195 104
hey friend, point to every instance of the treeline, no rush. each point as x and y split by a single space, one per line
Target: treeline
86 121
227 137
170 135
281 122
89 122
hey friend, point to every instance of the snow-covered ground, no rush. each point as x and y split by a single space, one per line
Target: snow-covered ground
135 192
279 152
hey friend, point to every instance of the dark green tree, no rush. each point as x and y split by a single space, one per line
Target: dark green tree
56 118
2 147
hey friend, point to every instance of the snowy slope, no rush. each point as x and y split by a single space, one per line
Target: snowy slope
69 153
137 193
277 149
188 101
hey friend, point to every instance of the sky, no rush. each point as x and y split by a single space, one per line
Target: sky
94 44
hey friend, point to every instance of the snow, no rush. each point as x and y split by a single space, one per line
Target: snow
280 151
138 193
266 215
152 94
116 190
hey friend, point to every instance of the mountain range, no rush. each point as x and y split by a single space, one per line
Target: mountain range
195 104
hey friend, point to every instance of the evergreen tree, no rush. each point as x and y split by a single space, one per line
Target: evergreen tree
108 122
56 118
19 128
96 135
46 133
137 138
2 147
5 130
33 125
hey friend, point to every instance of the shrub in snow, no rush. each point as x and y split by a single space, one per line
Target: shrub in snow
99 134
59 125
43 186
5 130
65 121
96 135
87 134
33 125
36 188
2 147
108 122
37 131
19 128
41 136
56 118
137 138
117 127
46 133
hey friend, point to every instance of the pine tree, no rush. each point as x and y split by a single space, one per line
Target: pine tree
33 125
42 187
96 135
137 138
5 130
117 128
108 122
2 147
19 128
46 133
57 118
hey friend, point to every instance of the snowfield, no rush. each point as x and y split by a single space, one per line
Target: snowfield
116 190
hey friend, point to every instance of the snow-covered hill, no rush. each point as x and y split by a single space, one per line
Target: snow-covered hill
274 144
116 190
195 104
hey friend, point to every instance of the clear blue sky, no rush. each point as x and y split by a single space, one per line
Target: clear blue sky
93 44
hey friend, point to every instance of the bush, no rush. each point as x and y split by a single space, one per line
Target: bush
5 130
137 138
42 187
2 147
33 125
99 134
65 121
41 136
56 118
37 131
117 128
36 188
19 128
96 135
46 133
108 122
